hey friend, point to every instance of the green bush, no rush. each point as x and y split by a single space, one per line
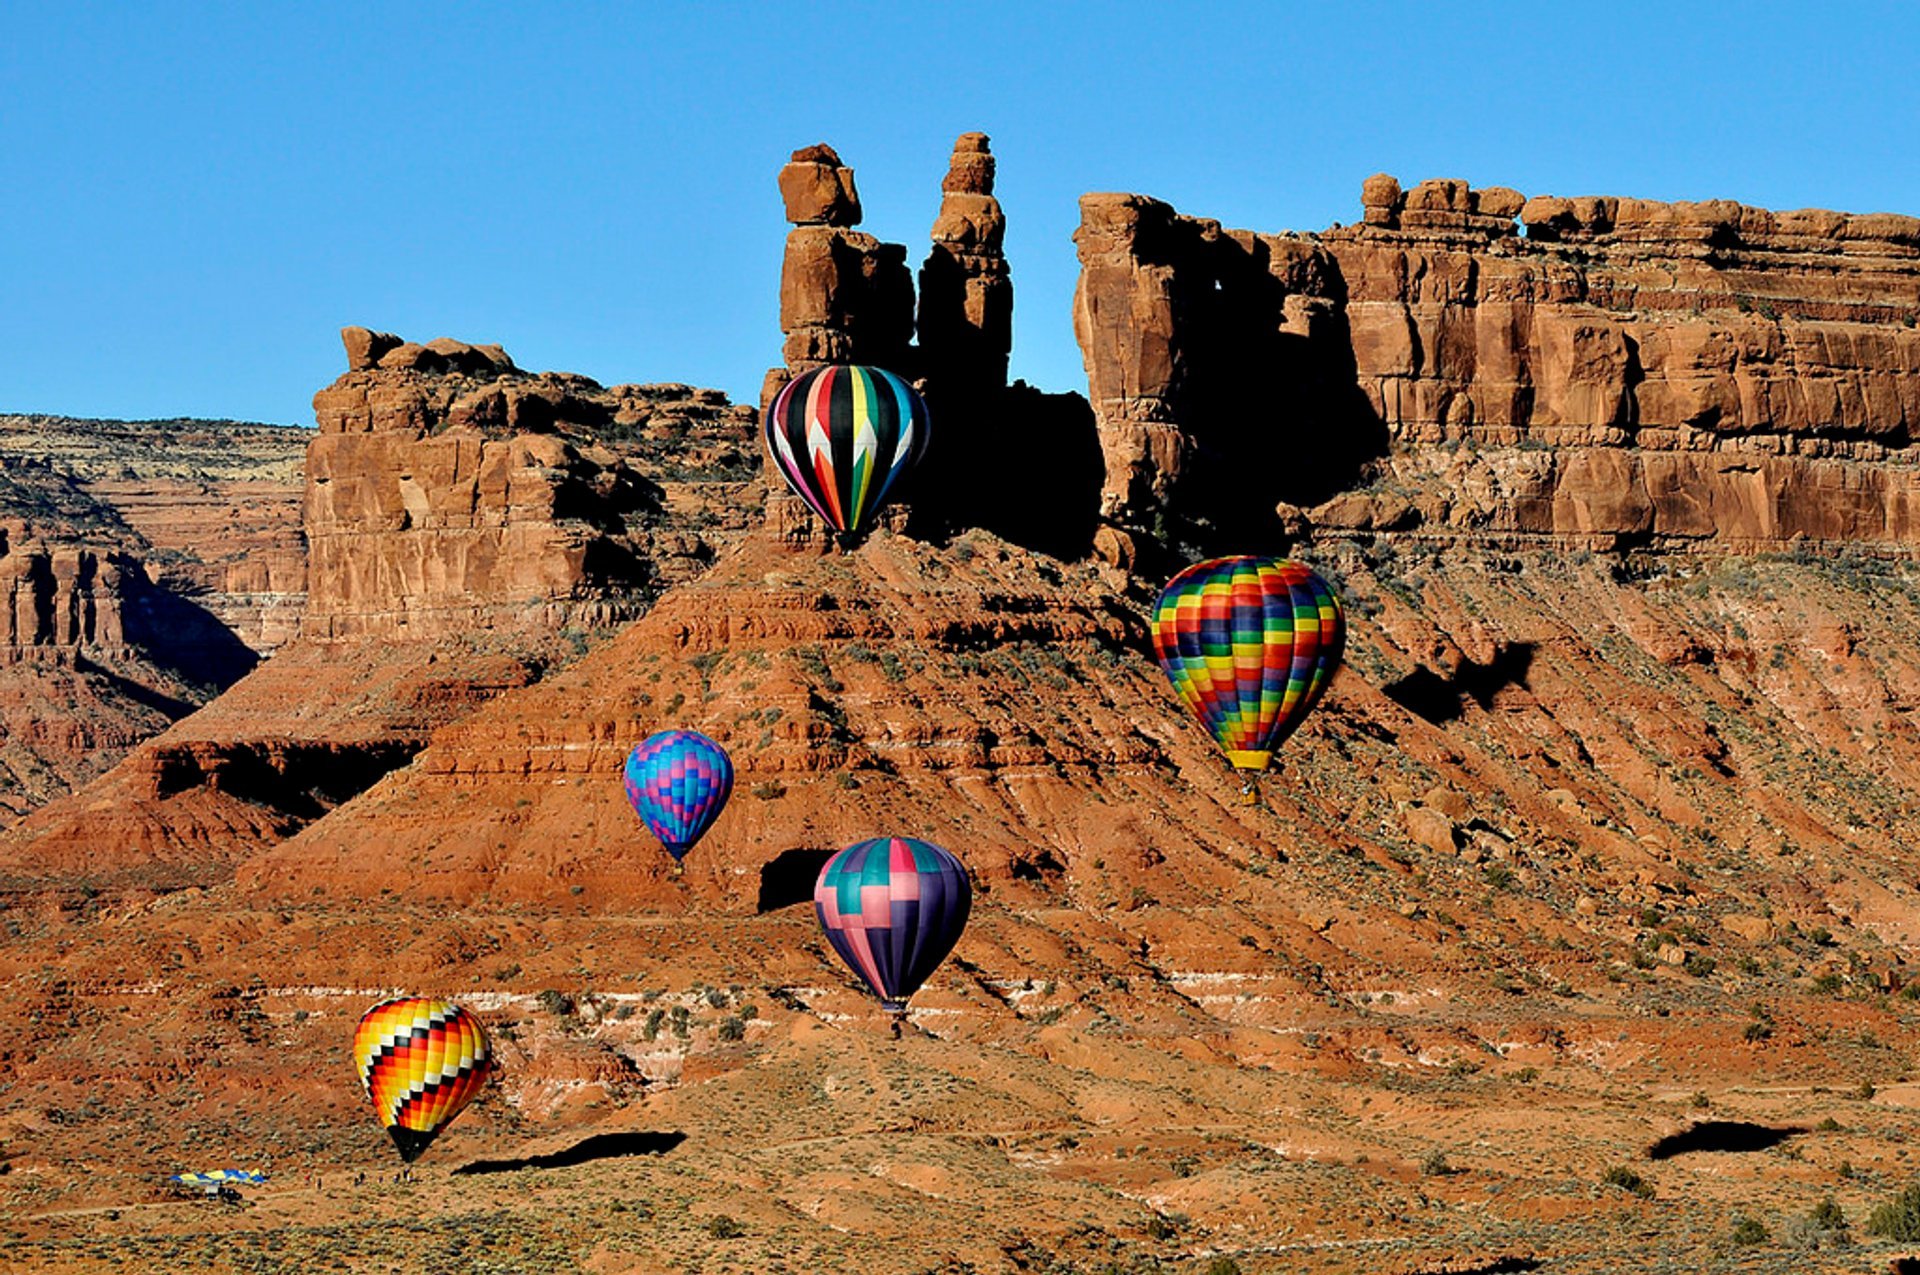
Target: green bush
1828 1215
1627 1180
1899 1218
1748 1231
723 1227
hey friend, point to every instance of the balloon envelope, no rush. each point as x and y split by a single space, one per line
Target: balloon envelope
842 436
678 781
421 1061
893 907
1250 644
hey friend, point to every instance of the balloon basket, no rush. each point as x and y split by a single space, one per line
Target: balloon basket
1249 790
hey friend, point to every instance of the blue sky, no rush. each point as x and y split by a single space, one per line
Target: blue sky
194 198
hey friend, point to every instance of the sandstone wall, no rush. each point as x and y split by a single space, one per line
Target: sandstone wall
211 508
1625 371
448 490
57 601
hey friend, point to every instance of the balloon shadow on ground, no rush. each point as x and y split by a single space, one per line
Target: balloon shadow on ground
789 877
601 1146
1722 1135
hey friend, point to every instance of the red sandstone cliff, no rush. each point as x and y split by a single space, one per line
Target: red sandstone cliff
1627 372
469 526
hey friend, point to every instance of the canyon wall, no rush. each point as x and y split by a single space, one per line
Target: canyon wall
207 512
1625 372
449 491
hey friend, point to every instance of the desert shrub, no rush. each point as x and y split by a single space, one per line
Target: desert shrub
1223 1266
772 790
555 1003
732 1028
1435 1164
1899 1218
723 1227
1747 1231
1627 1180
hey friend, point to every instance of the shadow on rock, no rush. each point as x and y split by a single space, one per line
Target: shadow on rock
1437 699
788 878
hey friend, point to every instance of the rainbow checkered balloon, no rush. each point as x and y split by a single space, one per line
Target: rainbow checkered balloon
893 907
421 1061
678 781
1250 645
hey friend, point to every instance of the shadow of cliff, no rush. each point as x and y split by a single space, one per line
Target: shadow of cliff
179 634
1268 394
1437 699
168 706
601 1146
1021 463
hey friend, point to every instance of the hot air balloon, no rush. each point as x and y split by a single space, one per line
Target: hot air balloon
1250 644
893 907
421 1062
842 436
678 781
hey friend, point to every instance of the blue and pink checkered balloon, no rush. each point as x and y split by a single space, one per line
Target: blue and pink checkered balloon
678 782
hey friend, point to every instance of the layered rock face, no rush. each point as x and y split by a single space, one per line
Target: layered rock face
207 512
57 601
449 491
1625 372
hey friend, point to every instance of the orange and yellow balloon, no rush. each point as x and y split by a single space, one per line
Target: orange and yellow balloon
1250 644
421 1062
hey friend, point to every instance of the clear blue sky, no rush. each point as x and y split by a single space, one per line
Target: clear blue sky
194 198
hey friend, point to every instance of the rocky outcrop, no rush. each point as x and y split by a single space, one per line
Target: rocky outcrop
1625 372
448 490
966 294
57 601
845 296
